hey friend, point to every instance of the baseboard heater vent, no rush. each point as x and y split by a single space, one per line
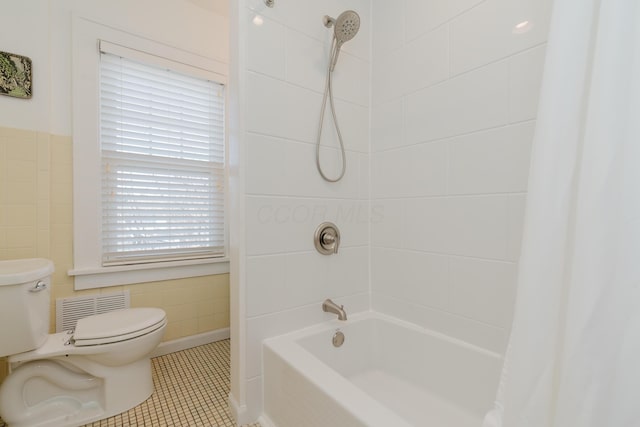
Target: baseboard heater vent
70 310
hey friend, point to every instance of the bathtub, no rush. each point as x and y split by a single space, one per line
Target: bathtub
388 373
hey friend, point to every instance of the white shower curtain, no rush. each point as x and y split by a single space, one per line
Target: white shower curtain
573 358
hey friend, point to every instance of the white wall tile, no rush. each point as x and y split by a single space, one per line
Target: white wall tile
306 60
487 32
279 225
480 334
354 125
386 223
425 60
285 281
301 280
471 102
347 274
389 18
306 274
424 167
478 226
415 277
478 99
386 77
312 277
266 158
425 15
307 17
419 170
266 48
284 225
483 290
425 225
265 284
331 162
364 183
525 79
386 126
351 79
280 109
466 226
494 161
281 167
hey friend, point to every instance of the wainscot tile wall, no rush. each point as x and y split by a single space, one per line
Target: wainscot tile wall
36 221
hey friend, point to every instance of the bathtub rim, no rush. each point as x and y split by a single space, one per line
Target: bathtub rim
365 408
333 324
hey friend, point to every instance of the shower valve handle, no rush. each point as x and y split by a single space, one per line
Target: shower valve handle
327 238
331 240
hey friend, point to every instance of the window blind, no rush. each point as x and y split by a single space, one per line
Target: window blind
162 148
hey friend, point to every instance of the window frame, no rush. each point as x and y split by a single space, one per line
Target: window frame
87 225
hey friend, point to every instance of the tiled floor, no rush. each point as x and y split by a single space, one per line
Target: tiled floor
191 389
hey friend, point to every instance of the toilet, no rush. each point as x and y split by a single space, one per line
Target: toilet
71 378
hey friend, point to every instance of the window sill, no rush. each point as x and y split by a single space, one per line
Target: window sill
102 277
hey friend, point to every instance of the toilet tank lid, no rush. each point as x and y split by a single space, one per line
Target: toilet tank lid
17 271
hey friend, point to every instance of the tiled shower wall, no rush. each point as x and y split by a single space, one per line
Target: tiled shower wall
285 198
455 90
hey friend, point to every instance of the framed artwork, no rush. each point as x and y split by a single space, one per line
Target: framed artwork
15 75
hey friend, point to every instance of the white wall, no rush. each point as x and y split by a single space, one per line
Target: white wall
25 31
455 90
283 198
41 30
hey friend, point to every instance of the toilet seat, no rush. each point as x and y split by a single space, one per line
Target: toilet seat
118 325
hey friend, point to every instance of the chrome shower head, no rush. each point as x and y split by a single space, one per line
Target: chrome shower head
346 27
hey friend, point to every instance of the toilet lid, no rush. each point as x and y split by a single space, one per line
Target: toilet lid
118 325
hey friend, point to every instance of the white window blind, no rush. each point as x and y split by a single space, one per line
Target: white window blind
162 148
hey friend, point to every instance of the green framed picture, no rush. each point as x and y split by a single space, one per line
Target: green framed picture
15 75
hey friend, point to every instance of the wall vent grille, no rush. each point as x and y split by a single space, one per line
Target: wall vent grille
70 310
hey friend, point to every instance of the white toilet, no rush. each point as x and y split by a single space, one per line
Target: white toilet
70 378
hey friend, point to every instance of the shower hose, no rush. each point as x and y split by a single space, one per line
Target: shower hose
328 91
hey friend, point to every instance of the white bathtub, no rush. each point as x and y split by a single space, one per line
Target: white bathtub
388 373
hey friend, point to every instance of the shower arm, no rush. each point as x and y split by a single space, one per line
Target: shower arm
328 21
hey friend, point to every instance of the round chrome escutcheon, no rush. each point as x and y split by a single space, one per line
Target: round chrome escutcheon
338 338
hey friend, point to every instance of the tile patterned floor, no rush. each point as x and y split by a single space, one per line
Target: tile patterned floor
191 389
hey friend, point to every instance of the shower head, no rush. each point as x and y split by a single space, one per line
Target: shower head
346 27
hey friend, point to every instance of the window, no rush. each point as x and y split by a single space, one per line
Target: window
162 151
148 160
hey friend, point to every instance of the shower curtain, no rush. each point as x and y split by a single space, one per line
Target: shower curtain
573 358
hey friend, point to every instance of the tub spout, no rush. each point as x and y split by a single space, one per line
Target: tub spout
329 306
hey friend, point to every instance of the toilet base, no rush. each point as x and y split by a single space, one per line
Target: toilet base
72 391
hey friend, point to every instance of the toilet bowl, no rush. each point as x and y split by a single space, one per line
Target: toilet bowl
71 378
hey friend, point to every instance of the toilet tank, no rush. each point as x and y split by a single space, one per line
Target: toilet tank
24 304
